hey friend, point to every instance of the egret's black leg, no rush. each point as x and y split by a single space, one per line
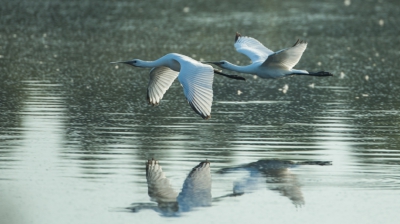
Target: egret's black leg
321 73
230 76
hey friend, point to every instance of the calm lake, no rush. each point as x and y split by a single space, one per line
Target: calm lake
76 132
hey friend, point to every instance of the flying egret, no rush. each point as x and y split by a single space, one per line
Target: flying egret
195 77
266 63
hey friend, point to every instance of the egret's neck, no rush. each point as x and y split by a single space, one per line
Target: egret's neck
167 61
152 64
236 68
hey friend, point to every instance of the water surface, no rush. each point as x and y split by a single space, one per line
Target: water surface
76 131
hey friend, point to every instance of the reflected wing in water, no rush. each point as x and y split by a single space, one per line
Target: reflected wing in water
286 183
159 188
196 190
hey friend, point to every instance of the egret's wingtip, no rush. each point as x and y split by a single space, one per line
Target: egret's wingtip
297 42
151 162
237 36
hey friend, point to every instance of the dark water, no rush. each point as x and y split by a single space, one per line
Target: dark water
76 131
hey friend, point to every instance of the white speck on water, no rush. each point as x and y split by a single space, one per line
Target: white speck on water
186 9
312 85
255 77
284 89
45 35
116 67
381 22
342 75
239 92
347 2
319 63
364 95
366 77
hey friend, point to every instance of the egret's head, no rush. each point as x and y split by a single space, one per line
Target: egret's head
134 62
221 64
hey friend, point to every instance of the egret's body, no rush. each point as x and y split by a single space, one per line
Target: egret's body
195 77
266 63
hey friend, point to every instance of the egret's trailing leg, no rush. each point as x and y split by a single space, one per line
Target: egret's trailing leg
321 74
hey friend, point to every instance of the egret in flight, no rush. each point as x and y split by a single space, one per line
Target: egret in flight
266 63
195 77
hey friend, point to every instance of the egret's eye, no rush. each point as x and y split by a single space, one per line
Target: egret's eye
222 63
134 61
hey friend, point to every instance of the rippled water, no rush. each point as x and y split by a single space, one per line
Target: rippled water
76 132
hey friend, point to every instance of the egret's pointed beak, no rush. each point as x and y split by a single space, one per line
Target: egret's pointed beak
125 62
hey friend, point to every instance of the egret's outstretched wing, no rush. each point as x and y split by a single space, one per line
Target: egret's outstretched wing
286 58
252 48
286 183
197 79
161 79
159 188
196 190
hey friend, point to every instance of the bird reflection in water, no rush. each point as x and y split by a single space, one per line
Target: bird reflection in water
276 174
196 190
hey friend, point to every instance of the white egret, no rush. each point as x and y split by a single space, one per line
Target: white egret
195 77
266 63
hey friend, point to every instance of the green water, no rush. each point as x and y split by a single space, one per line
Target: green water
75 131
